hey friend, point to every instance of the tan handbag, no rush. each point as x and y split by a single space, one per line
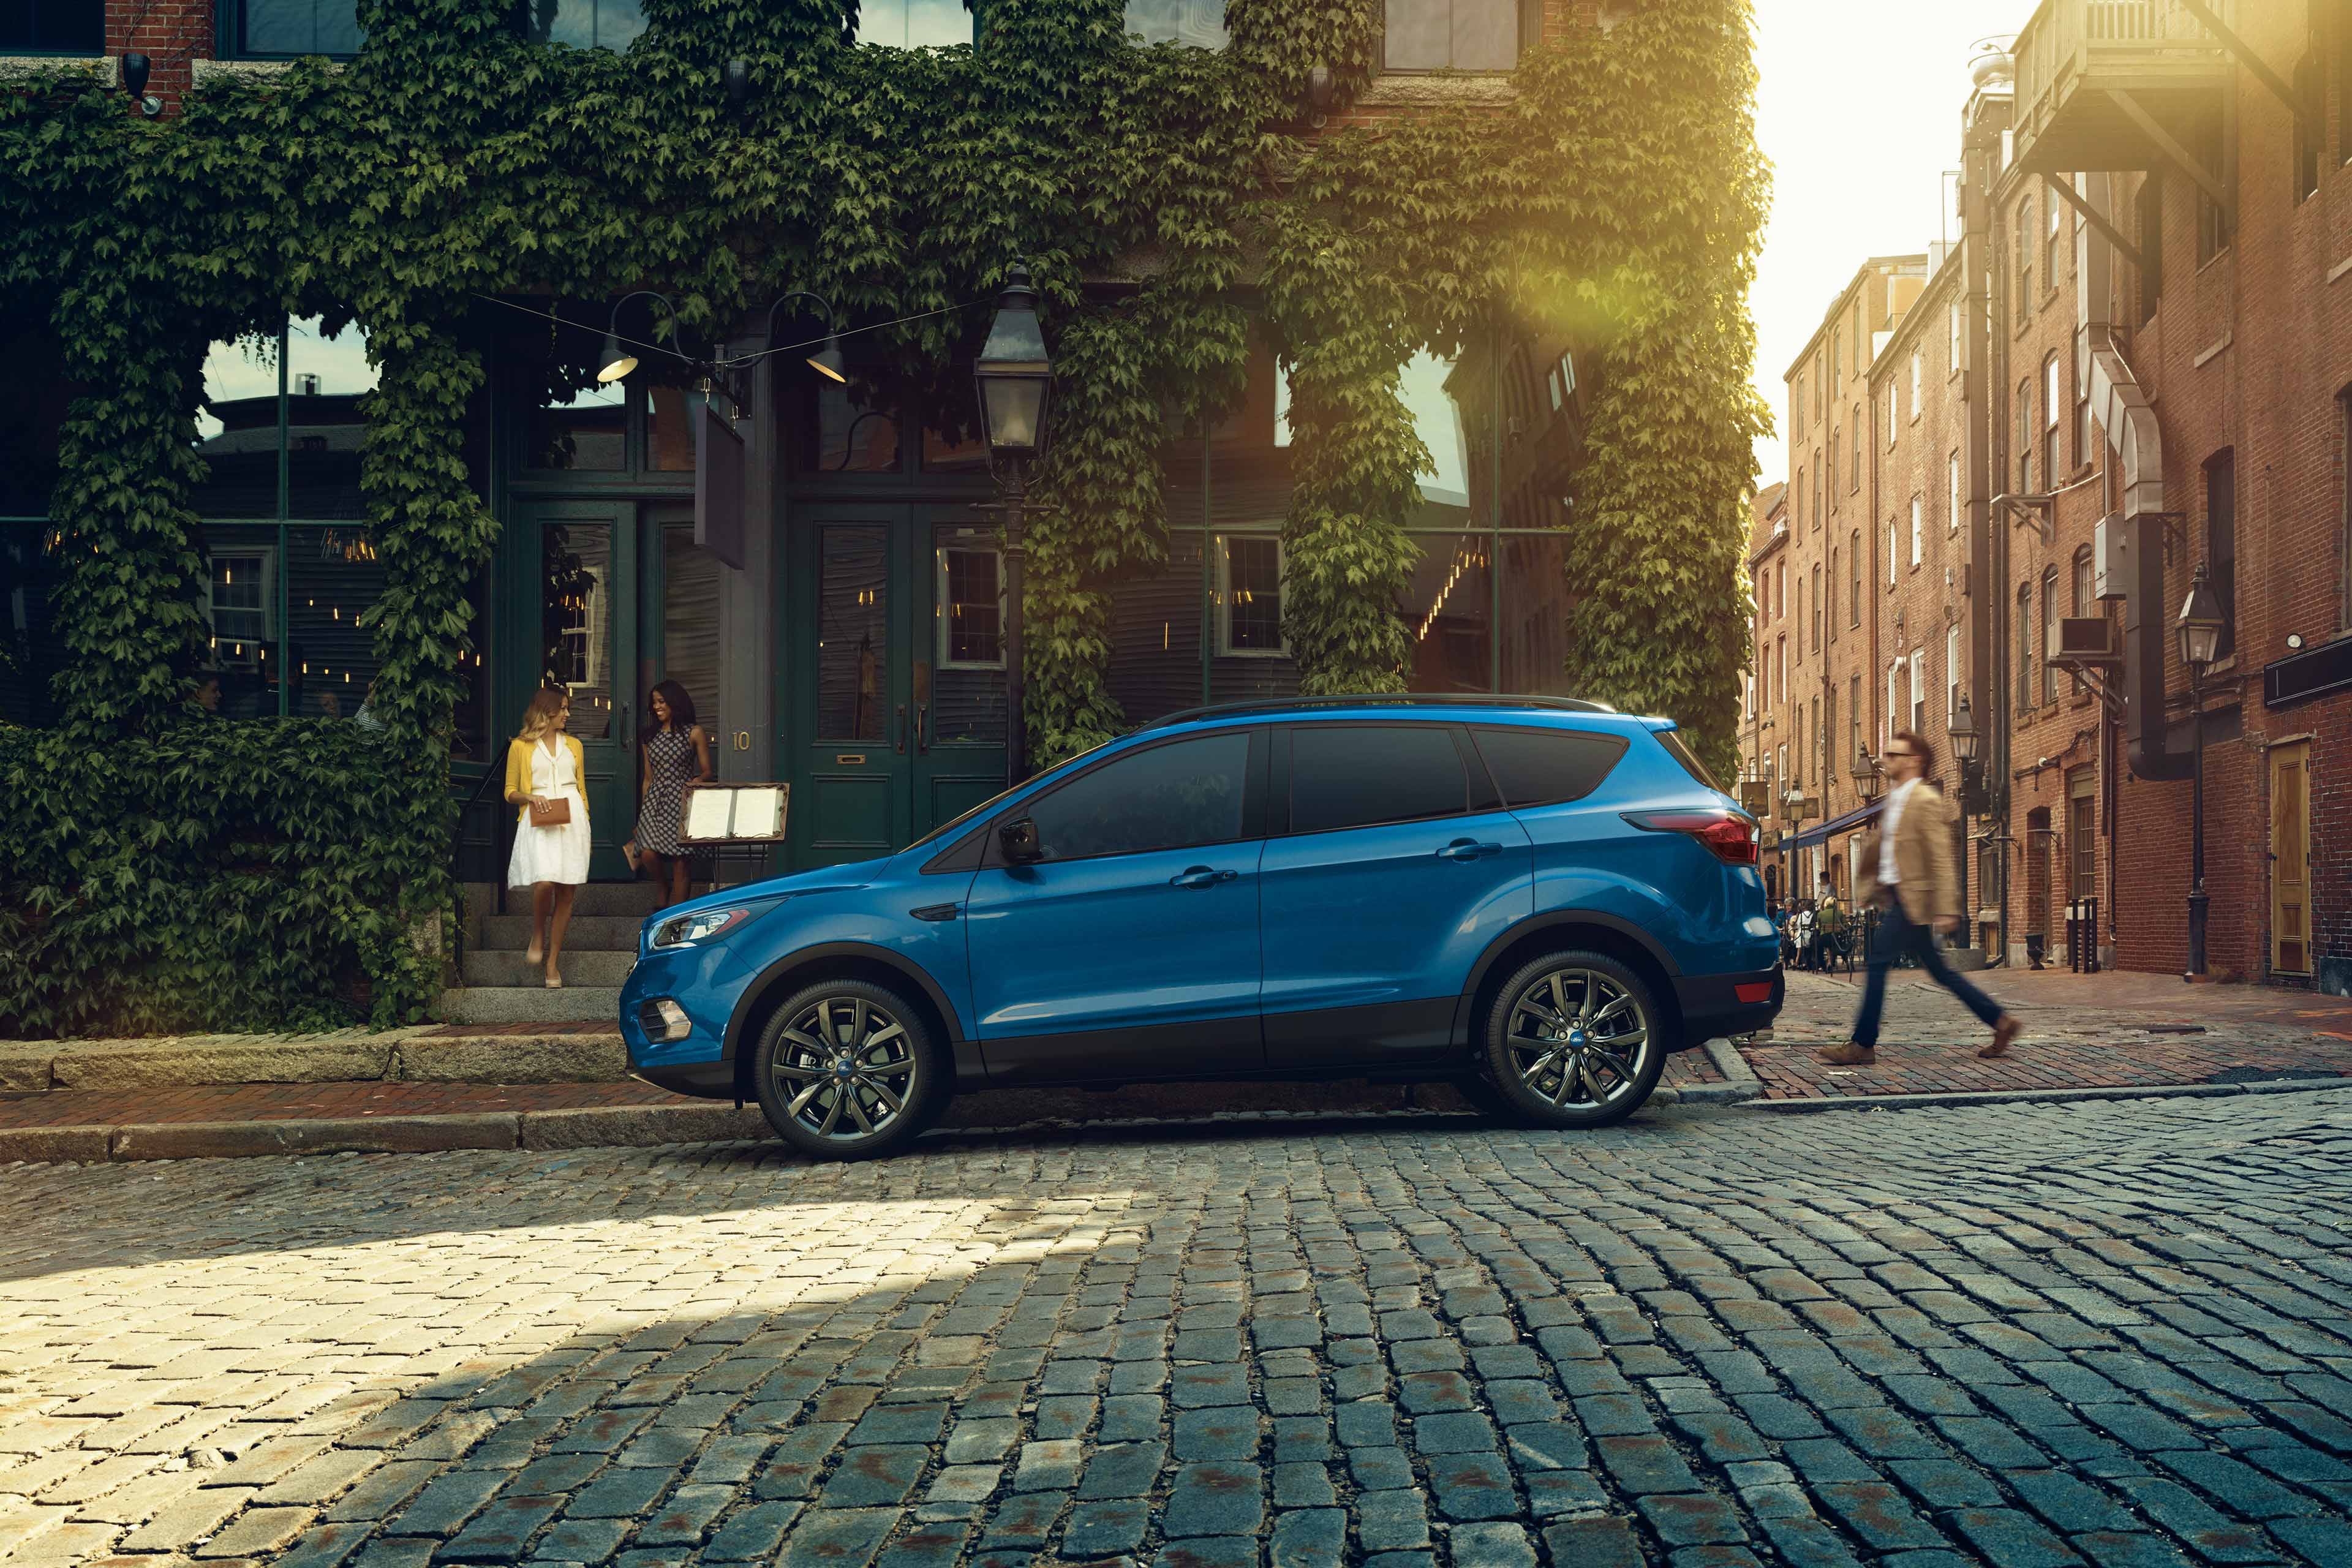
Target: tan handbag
554 812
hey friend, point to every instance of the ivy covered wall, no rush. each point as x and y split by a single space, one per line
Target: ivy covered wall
1616 195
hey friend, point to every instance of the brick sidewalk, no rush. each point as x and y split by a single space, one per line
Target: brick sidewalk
2110 1030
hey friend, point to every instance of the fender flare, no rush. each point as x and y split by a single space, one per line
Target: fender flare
774 977
1520 930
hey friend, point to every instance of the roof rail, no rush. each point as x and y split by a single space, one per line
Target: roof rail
1380 699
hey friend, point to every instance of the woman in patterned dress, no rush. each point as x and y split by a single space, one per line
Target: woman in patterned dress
677 754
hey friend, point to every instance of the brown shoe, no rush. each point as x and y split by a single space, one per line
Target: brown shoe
2003 1034
1848 1055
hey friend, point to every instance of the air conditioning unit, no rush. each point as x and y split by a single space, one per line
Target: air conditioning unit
2085 641
2111 558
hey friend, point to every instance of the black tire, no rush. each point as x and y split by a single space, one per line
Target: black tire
1488 1101
847 1069
1574 1039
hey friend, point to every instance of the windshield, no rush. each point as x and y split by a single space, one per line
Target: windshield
947 830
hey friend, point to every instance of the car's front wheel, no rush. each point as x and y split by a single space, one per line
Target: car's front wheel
1575 1039
847 1069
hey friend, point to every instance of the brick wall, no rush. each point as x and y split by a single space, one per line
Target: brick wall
172 34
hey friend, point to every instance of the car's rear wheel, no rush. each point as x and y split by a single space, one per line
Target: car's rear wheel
1575 1039
847 1069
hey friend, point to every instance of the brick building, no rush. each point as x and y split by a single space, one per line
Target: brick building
2138 364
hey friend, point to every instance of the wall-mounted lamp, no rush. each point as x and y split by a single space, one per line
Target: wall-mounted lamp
135 68
735 76
613 361
1321 92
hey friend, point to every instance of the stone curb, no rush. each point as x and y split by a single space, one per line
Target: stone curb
2050 1096
1740 1080
396 1055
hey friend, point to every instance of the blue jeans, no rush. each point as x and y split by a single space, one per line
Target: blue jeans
1897 936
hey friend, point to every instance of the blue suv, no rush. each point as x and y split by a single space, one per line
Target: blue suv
1539 897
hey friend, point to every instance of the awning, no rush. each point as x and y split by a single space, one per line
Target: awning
1835 826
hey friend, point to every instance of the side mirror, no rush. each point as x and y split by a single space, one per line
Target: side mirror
1018 840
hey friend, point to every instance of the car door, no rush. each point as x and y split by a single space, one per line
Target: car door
1394 866
1130 949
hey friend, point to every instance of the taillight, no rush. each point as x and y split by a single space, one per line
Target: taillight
1729 835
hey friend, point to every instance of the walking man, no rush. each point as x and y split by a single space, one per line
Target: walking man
1910 861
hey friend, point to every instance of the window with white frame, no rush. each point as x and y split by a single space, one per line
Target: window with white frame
2050 640
1918 527
1952 330
1890 415
1951 672
1853 481
1918 379
914 24
1918 709
1249 596
2052 402
1952 495
1890 552
1891 720
1451 34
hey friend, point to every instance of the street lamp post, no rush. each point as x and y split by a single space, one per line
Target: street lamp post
1962 732
1016 379
2199 630
1792 810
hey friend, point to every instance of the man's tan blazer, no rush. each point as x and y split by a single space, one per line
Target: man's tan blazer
1926 881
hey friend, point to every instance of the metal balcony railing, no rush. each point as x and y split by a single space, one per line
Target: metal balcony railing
2074 56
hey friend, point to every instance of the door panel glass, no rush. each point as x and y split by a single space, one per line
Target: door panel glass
853 646
586 432
1184 794
1351 775
967 698
575 621
691 620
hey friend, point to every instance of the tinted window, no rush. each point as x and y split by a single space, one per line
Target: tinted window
1544 767
1691 764
1185 793
1348 775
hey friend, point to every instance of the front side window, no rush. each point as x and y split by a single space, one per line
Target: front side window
54 28
1199 23
1546 767
1452 35
913 24
1174 796
1355 775
1249 598
584 24
280 27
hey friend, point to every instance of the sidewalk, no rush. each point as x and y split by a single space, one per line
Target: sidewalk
2115 1030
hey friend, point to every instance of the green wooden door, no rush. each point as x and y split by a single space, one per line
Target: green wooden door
895 666
587 640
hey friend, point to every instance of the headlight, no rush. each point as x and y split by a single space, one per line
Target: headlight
703 925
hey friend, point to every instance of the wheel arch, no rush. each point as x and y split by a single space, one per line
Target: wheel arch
1555 930
845 961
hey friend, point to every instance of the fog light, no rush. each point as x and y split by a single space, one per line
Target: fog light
664 1020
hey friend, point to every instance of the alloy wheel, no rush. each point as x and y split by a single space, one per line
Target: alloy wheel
844 1068
1577 1038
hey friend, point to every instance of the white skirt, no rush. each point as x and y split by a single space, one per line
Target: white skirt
552 854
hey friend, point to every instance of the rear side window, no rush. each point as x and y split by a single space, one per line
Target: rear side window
1691 764
1353 775
1546 767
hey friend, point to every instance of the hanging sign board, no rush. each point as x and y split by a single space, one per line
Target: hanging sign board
733 812
717 483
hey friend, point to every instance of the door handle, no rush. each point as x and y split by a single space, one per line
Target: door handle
923 726
1200 877
902 728
1468 849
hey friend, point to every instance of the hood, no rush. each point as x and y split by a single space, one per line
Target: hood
825 878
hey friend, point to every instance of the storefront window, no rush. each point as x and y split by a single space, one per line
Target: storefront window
333 578
951 438
244 657
669 428
30 653
277 27
848 429
237 428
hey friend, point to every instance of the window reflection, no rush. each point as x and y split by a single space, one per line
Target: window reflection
669 430
854 429
237 428
1452 35
333 577
914 24
30 652
243 662
326 376
587 431
585 24
1199 23
951 438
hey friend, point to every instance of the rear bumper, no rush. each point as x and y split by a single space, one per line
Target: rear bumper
1714 1005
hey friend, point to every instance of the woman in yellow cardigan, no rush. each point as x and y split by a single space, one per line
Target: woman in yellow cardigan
543 764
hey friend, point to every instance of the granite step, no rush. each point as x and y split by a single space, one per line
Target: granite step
635 899
530 1005
586 933
490 966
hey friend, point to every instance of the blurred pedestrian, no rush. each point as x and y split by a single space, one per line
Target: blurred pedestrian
1907 863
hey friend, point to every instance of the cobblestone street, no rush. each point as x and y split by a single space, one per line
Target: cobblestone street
2117 1333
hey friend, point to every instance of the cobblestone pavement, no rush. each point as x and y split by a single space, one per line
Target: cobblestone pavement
2118 1333
2081 1031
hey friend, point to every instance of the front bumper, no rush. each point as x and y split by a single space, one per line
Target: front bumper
696 979
1716 1005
